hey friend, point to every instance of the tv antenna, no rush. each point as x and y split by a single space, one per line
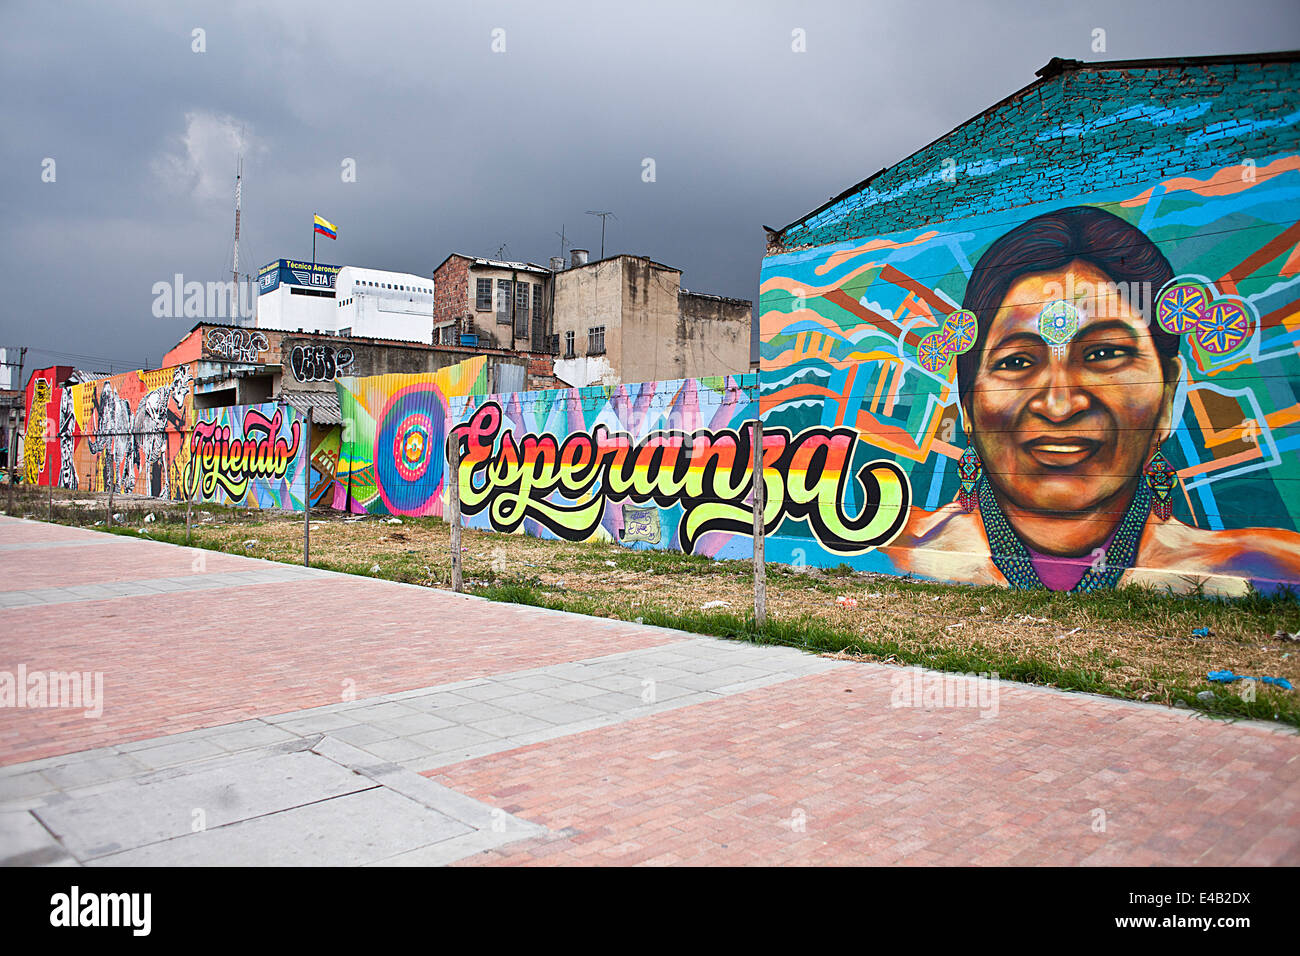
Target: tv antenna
603 214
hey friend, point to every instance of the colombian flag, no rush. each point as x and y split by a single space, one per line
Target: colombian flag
326 228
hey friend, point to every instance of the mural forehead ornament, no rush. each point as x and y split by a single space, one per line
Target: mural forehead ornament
1057 324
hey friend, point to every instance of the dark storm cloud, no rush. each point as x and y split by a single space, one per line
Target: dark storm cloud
458 148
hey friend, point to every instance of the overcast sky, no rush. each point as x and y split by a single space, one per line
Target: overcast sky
459 148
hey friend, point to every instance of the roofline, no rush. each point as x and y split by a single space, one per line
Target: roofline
1052 69
394 343
620 255
487 263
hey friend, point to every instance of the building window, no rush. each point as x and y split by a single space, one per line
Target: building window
504 292
596 340
538 303
483 295
521 310
568 344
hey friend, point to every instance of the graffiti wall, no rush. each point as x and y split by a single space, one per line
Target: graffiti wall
392 450
125 433
1095 391
252 456
46 458
652 465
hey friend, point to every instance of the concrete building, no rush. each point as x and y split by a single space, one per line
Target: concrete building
627 319
620 319
344 300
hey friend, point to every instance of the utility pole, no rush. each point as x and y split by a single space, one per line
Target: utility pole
306 497
18 416
603 214
453 508
760 566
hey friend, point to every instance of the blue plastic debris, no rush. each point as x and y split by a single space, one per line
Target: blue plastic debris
1227 677
1201 632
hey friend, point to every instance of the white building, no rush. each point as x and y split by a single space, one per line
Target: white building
384 305
344 300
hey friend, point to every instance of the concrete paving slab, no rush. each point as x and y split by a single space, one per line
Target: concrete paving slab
25 842
363 827
169 804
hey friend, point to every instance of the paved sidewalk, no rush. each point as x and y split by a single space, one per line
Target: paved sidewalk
263 713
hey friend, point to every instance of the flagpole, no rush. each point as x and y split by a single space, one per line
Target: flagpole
312 280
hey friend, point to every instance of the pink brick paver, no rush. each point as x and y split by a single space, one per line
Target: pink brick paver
733 781
193 659
818 769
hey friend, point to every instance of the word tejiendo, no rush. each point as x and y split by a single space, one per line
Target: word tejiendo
262 453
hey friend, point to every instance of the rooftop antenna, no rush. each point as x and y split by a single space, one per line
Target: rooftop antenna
563 242
239 187
603 214
501 251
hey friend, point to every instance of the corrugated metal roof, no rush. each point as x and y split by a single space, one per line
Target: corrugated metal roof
324 406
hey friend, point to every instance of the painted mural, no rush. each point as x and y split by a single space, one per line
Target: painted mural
392 448
652 465
252 456
41 448
125 433
1079 394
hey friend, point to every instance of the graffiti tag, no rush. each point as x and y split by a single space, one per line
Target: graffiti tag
640 524
217 458
319 363
806 476
239 345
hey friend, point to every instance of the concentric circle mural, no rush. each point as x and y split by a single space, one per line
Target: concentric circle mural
409 461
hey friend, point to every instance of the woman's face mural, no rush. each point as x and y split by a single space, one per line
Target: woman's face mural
1070 397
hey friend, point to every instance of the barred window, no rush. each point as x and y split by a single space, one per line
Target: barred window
521 310
568 344
503 301
483 295
596 340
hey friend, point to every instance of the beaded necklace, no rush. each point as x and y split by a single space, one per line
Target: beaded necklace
1011 557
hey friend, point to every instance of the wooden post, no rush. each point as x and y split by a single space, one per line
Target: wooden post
760 566
51 499
306 497
189 504
453 509
112 481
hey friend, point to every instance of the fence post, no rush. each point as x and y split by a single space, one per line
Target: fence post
189 503
51 499
760 566
111 482
453 507
306 498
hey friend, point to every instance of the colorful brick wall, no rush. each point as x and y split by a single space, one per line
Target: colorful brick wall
1069 329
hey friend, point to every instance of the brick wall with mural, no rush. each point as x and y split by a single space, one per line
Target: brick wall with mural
1062 339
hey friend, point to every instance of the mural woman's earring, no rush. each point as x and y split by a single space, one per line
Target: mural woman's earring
969 469
1161 479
